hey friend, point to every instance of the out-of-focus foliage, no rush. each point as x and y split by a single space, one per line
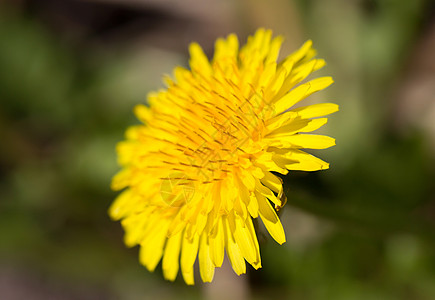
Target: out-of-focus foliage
362 230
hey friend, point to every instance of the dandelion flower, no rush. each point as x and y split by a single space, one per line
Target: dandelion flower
203 164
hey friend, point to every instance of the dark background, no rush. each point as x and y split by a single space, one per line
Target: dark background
71 72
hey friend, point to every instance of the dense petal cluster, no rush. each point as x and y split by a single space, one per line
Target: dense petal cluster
202 165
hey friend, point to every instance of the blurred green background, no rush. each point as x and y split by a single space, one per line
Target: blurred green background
70 74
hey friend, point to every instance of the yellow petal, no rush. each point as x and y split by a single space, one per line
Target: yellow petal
265 160
189 252
217 245
170 264
201 222
302 125
199 61
234 255
206 266
143 113
280 120
300 160
151 249
270 219
250 227
301 92
133 132
228 194
248 180
272 181
245 241
301 52
177 224
253 206
226 48
123 205
121 180
266 211
267 75
300 72
275 229
277 82
275 46
309 141
289 128
127 151
316 110
240 208
138 224
267 193
242 190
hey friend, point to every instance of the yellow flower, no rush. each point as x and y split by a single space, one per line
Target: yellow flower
202 165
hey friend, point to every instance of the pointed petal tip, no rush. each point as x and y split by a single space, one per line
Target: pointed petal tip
282 242
193 46
207 280
239 273
188 278
325 167
150 267
327 79
113 186
332 107
169 277
256 265
308 43
113 213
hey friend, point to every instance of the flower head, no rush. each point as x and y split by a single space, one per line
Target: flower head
203 164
